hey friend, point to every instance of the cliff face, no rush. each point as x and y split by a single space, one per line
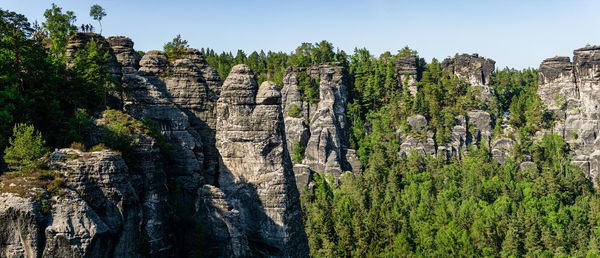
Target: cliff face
476 70
255 170
229 182
407 69
321 128
571 91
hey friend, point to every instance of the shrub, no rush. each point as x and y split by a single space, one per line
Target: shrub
98 147
294 111
298 152
25 148
152 128
176 48
77 146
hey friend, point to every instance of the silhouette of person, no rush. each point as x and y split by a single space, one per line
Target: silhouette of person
87 28
82 28
91 28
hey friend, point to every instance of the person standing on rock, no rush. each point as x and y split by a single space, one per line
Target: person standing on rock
91 28
82 28
87 28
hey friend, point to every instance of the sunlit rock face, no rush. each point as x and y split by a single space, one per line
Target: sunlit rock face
255 170
571 91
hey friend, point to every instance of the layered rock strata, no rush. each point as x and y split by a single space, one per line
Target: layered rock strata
255 169
407 69
476 70
326 149
571 91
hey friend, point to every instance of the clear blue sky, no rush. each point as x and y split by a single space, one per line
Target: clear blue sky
515 33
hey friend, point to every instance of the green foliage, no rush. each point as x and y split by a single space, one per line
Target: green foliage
308 87
26 146
508 83
76 126
99 147
176 48
59 26
467 208
77 146
272 65
152 129
123 132
97 13
295 111
91 78
298 152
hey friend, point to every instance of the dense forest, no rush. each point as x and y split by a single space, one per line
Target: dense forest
399 206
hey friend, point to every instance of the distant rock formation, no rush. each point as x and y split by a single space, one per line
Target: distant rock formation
572 92
475 128
255 171
475 69
407 69
327 144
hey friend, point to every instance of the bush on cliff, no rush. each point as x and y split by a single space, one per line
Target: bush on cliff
25 148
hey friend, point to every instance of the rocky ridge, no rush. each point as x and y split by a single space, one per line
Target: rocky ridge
321 128
154 206
570 92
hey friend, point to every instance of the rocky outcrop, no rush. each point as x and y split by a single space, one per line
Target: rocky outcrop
78 41
255 172
123 49
570 91
21 227
407 69
475 69
475 128
459 139
418 139
327 145
230 173
97 214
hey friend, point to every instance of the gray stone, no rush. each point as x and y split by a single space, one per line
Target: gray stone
255 171
407 72
124 52
475 69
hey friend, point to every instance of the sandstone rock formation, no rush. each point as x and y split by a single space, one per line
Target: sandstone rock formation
407 68
475 69
97 214
255 169
78 41
570 91
475 128
327 145
230 173
124 52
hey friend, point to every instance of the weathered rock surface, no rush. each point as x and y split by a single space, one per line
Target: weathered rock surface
407 69
419 139
124 52
475 128
78 41
255 171
21 227
459 139
98 214
327 144
475 69
571 91
296 132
